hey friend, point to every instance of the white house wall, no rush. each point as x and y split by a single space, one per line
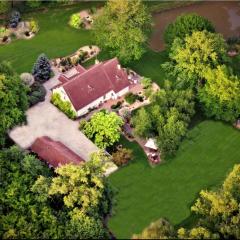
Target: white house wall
84 110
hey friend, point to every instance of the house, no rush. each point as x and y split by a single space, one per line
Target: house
54 153
89 88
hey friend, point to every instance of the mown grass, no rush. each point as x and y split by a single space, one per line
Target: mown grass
55 38
168 190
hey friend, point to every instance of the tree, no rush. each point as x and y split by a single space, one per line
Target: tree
166 119
4 6
142 123
34 3
122 156
220 95
186 25
42 69
13 100
191 57
161 229
75 21
103 128
122 28
37 203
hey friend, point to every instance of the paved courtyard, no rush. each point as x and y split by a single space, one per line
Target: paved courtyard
44 119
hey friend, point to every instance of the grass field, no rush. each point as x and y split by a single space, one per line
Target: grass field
55 38
146 194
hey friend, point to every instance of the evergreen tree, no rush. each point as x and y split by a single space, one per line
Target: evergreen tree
42 69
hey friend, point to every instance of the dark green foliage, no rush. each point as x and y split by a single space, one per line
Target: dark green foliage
32 208
131 98
33 3
13 100
167 118
14 19
117 105
4 6
37 93
186 24
42 69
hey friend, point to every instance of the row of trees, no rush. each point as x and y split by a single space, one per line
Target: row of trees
217 212
38 203
167 117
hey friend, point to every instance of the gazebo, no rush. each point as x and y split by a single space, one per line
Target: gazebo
152 153
151 144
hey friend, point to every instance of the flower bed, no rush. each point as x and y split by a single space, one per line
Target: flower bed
80 56
24 30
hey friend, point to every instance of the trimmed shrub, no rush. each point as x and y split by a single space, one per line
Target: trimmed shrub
27 78
122 156
37 93
117 105
75 21
64 106
130 98
15 18
33 26
42 69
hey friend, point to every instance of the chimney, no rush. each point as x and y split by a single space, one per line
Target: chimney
119 67
96 61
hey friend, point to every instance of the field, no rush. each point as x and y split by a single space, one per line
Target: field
146 194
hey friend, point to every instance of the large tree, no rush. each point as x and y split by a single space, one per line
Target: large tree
122 28
103 129
186 25
193 55
166 118
4 6
220 96
13 100
39 204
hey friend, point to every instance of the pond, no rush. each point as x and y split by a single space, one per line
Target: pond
225 17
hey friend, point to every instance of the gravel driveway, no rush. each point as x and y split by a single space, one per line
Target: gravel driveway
44 119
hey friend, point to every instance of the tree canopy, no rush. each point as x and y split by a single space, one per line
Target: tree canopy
186 25
122 28
13 100
37 203
220 96
192 56
103 129
166 118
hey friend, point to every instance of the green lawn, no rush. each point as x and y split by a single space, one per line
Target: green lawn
55 38
146 194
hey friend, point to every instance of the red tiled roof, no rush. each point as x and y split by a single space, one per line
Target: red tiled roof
95 82
80 68
54 153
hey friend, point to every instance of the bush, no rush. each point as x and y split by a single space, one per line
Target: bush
130 98
33 26
93 10
27 78
117 105
75 21
37 93
14 19
122 156
64 106
3 32
186 24
34 3
42 69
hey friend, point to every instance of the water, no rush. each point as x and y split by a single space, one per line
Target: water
225 17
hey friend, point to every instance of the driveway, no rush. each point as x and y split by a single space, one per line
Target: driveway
44 119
